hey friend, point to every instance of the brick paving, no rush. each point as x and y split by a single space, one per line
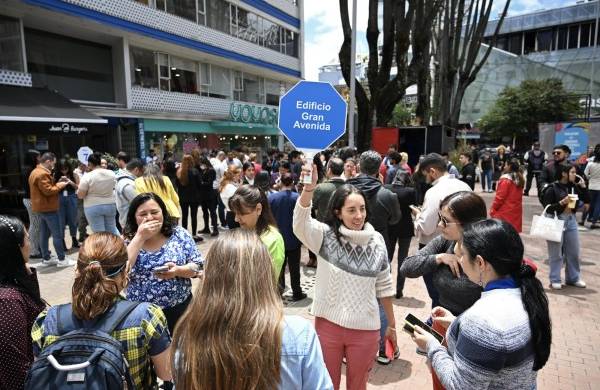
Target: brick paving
575 357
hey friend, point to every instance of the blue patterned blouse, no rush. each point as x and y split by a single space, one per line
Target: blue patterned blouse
144 286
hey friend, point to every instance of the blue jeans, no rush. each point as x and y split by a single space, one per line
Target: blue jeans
486 176
51 226
595 205
566 251
102 218
68 213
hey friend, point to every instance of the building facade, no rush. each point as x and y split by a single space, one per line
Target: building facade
561 43
167 75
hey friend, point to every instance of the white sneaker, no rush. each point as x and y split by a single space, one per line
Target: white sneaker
51 261
580 283
556 286
65 263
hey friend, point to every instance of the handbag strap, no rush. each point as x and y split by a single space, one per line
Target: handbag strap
546 212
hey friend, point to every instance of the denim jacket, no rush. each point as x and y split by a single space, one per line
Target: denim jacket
302 365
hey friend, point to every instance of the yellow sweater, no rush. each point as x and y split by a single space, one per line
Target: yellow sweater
169 196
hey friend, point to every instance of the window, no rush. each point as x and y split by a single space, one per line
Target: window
76 68
291 43
184 8
143 68
584 39
202 12
529 42
183 75
561 41
251 89
271 35
164 74
11 45
247 25
573 36
515 43
272 92
218 15
216 81
502 42
544 40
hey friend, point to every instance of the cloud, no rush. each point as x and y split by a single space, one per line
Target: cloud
323 33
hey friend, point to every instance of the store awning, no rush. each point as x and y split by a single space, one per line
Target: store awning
24 104
214 127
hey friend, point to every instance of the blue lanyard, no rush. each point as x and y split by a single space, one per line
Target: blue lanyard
501 283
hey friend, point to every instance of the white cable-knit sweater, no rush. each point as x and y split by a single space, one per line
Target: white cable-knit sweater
350 276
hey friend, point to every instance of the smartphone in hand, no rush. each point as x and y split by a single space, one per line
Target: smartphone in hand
411 321
160 269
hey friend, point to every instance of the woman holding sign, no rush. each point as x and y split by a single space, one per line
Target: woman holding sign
352 275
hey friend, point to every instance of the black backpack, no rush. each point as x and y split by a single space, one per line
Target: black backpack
83 358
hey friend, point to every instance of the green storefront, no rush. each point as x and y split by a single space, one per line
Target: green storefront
254 127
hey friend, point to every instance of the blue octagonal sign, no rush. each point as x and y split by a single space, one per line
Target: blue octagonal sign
312 115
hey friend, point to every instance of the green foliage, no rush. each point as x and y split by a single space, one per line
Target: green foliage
518 110
454 155
402 115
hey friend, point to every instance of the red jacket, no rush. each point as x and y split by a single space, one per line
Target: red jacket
508 203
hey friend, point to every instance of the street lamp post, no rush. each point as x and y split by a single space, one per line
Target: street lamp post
352 79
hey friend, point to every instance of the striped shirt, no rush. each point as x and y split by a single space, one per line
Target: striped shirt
489 346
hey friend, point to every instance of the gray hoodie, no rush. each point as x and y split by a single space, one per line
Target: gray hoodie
124 193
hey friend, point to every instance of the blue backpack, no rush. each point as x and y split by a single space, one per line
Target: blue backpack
83 358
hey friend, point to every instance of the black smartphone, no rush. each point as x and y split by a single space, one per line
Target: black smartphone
409 326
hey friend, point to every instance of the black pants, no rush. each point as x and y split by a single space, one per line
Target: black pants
193 207
230 218
431 290
221 211
292 259
209 208
529 181
403 247
174 313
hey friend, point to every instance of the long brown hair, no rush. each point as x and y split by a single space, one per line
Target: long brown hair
187 163
231 171
101 267
515 171
245 199
230 336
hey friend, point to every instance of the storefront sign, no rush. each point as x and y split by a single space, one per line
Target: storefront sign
141 138
83 153
574 135
67 128
247 113
312 115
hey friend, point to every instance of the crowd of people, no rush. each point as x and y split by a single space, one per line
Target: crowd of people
359 211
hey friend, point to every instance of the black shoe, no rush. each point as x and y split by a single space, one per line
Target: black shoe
82 238
198 239
35 257
300 297
525 193
581 223
399 295
205 231
215 232
75 244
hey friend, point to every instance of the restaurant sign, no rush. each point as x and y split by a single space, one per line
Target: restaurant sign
67 128
248 113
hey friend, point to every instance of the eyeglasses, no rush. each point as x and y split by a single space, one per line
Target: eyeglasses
557 153
445 222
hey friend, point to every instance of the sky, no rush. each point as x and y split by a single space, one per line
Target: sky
323 31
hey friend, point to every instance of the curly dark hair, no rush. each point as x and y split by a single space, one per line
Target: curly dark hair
131 225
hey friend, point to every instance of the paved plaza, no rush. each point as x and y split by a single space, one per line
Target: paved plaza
575 358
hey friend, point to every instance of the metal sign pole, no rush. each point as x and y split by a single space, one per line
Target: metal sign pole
352 79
